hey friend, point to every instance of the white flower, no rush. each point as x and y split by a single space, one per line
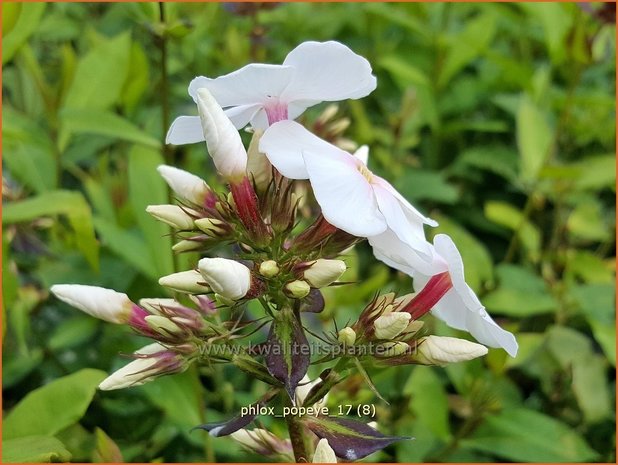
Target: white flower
438 350
391 325
324 453
459 307
186 185
324 272
106 304
351 197
227 278
302 391
222 139
185 281
142 369
261 93
172 215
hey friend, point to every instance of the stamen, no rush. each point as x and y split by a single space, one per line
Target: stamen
368 175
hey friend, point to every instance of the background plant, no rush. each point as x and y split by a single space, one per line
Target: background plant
505 135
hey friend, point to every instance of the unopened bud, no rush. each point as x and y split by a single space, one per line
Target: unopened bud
347 336
339 126
269 268
162 325
187 246
414 327
440 350
391 325
211 226
172 215
298 289
258 165
99 302
324 272
190 282
392 349
324 453
227 278
186 185
329 112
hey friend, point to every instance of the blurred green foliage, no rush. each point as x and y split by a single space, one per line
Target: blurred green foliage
498 120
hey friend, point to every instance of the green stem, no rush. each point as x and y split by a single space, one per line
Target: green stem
298 436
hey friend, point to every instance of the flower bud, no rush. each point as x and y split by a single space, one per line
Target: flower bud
259 167
151 361
392 349
227 278
324 453
211 226
99 302
269 268
347 336
324 272
190 282
262 442
187 246
204 303
298 289
173 215
156 305
222 138
186 185
391 325
162 325
440 350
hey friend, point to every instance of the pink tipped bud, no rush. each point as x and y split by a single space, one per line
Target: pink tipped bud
99 302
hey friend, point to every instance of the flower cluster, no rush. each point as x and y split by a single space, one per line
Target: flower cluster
282 256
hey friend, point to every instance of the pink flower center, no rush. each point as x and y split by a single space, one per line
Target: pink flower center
276 112
429 296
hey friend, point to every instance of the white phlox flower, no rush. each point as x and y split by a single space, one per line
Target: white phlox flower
259 93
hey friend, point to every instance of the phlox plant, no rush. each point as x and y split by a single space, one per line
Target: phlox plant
270 256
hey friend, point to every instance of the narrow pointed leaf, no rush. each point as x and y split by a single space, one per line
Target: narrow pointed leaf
350 439
287 355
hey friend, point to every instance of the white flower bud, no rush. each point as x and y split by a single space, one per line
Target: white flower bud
261 441
392 349
162 325
154 305
391 325
211 226
269 268
347 336
258 164
99 302
222 138
186 246
185 281
143 369
324 453
439 350
298 289
173 215
186 185
324 272
302 391
227 278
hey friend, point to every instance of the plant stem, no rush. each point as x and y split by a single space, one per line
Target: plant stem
298 436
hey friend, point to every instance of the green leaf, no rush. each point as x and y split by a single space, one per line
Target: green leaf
428 401
104 123
557 21
590 267
180 398
29 17
127 245
510 217
34 449
403 71
427 185
146 187
478 263
73 332
69 203
51 408
523 435
107 450
467 46
596 173
100 74
519 293
534 139
588 221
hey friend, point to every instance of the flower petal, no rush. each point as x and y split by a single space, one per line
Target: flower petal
345 196
410 211
254 83
185 130
283 144
242 114
327 71
408 228
388 248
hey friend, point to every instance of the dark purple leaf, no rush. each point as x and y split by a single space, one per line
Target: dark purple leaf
287 354
350 439
314 302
